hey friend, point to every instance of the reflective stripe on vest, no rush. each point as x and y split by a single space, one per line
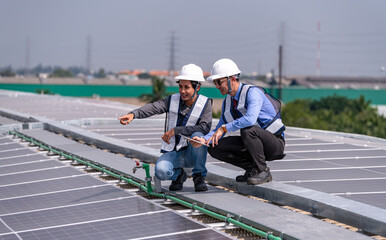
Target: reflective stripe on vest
274 127
240 104
195 114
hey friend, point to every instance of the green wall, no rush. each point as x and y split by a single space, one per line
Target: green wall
82 90
377 97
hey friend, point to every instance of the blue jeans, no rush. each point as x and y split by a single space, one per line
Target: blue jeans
170 164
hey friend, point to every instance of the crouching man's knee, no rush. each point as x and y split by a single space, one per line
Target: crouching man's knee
164 170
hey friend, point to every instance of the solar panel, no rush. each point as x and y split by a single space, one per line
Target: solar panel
5 140
374 199
48 185
348 186
4 229
337 153
115 208
126 228
42 198
17 152
21 158
61 198
29 166
9 146
320 146
9 237
36 175
326 174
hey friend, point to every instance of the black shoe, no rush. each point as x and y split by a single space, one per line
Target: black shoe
248 173
178 184
260 178
199 183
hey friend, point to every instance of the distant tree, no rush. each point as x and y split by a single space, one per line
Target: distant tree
22 71
76 70
216 114
7 72
336 113
42 69
144 76
159 91
44 91
60 72
100 74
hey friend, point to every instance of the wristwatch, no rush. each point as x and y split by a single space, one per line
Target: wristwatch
224 128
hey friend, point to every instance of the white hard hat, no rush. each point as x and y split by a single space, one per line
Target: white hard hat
223 68
191 72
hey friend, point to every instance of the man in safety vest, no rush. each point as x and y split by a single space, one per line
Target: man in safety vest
256 114
188 114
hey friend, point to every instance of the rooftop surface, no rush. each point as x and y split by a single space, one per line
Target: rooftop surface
327 175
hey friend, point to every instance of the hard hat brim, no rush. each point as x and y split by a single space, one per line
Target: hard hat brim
214 77
190 78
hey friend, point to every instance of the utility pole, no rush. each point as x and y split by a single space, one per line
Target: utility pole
27 56
280 69
281 44
318 53
172 66
88 55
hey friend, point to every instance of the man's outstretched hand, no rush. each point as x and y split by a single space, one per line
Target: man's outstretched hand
126 119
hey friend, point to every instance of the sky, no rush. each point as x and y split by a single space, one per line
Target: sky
125 34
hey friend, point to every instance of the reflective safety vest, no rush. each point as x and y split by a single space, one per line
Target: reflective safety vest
172 118
275 126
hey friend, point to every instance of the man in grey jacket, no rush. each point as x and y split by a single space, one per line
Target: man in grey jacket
188 114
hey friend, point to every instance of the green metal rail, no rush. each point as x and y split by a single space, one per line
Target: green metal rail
149 190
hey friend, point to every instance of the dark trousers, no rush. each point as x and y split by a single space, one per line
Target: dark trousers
251 149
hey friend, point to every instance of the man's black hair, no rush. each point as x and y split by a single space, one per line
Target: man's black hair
195 83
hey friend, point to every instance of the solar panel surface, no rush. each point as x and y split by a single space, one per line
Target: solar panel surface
43 198
334 164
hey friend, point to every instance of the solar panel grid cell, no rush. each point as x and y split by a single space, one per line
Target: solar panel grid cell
21 159
29 167
5 140
48 185
36 175
61 199
17 152
4 147
9 237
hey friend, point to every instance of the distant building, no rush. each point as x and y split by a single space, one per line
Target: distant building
129 75
162 73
